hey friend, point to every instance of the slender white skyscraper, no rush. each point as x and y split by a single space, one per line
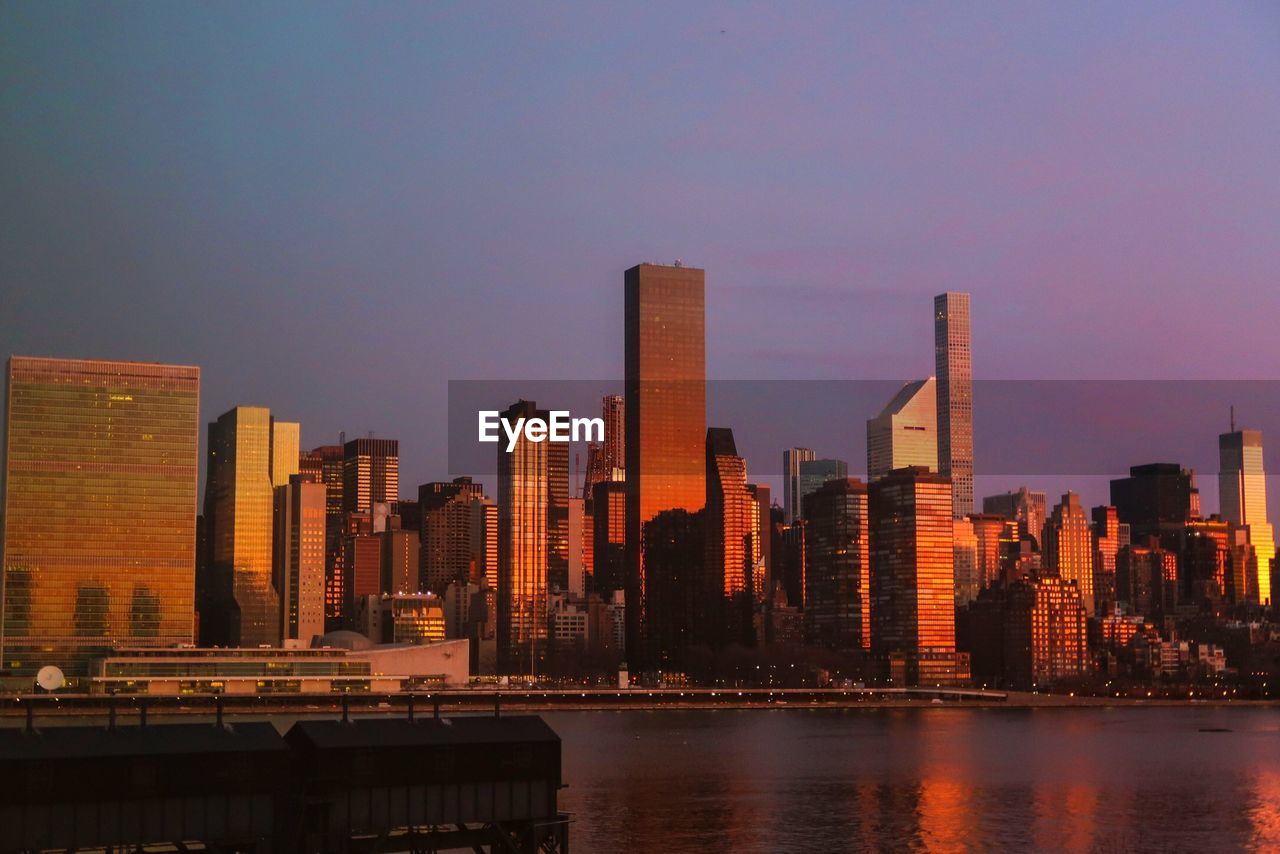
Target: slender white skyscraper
954 370
791 460
905 433
1242 497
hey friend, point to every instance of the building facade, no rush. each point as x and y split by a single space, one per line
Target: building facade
666 416
913 576
905 433
298 565
101 461
837 595
954 372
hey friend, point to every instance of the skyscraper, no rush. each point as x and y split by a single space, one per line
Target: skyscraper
814 473
523 512
99 499
447 526
298 567
1156 499
1068 546
905 433
1242 496
666 413
954 370
837 597
370 473
791 460
1108 537
913 577
285 451
605 460
1026 507
731 544
324 465
239 605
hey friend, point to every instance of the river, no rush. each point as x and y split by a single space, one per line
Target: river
1155 779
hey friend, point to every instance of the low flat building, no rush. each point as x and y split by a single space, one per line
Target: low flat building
348 663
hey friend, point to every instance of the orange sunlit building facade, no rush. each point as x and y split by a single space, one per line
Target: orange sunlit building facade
99 497
913 632
666 415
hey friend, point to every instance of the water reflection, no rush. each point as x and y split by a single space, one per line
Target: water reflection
936 780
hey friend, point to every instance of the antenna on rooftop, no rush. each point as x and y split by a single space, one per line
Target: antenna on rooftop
1233 418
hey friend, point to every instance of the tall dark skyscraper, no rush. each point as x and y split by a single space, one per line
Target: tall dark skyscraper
99 499
954 370
324 464
666 413
370 473
791 461
837 599
732 543
1156 500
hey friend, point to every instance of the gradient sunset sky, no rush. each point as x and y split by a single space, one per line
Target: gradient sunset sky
335 209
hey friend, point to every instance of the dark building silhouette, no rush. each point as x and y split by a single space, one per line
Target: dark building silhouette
673 553
725 602
838 573
1156 499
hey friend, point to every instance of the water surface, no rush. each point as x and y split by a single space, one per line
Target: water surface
927 779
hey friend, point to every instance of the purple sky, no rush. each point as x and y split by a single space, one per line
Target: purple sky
334 210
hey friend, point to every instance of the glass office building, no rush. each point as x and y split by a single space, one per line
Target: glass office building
100 478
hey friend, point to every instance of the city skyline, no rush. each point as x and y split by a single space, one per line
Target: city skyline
1072 188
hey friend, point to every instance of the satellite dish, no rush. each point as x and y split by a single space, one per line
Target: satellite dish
50 678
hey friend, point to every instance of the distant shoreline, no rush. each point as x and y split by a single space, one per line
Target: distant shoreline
14 709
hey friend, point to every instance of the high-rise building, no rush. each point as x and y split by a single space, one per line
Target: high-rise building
666 414
732 545
837 612
814 473
913 577
607 459
238 601
954 371
1027 634
1156 499
298 567
964 546
764 532
791 460
401 561
608 528
1242 496
370 473
1068 546
524 507
674 555
1108 536
361 565
557 515
1026 507
324 465
1147 579
905 433
285 451
99 509
484 542
447 525
990 531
